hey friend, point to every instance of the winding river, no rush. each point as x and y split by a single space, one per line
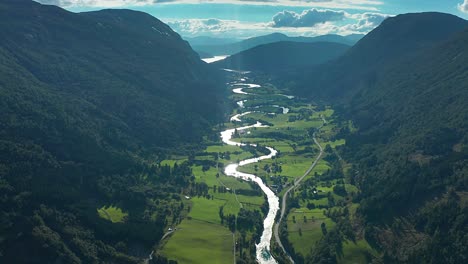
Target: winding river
263 247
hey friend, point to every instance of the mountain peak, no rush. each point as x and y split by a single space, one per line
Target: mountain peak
406 34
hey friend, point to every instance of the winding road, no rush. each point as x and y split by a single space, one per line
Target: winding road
296 184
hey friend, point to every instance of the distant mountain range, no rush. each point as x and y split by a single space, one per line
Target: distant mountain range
205 40
284 55
232 48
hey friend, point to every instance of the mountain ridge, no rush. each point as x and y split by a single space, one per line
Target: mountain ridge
406 100
364 60
283 55
91 102
230 49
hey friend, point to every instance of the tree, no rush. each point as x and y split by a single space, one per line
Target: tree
221 214
324 228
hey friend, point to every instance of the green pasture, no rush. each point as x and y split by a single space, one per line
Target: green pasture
195 242
311 231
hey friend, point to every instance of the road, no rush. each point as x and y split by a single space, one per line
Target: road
296 184
150 257
167 234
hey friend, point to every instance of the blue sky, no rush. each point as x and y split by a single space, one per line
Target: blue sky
247 18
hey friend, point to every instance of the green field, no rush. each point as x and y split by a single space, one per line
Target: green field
355 253
113 214
311 230
196 242
201 237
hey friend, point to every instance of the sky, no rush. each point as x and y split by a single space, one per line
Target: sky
248 18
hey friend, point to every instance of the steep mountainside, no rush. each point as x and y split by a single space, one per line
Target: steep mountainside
89 102
280 56
405 88
229 49
397 37
412 151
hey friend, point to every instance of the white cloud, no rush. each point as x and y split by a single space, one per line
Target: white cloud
307 18
340 4
347 23
355 23
365 22
216 27
463 6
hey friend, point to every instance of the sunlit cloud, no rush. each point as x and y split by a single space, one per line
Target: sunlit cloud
463 6
365 22
355 24
307 18
216 27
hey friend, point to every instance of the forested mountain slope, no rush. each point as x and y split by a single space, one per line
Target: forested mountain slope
396 38
412 154
88 102
284 55
405 88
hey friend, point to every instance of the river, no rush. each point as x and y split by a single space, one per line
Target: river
263 254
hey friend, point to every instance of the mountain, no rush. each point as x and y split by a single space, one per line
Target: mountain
90 103
397 37
404 87
280 56
229 49
412 153
204 55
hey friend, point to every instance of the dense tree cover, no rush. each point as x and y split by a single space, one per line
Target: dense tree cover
406 92
412 143
89 103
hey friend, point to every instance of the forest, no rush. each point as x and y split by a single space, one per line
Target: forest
90 104
409 143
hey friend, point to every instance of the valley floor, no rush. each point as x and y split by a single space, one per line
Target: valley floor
211 230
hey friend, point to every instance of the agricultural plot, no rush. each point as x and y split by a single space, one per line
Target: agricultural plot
303 234
196 241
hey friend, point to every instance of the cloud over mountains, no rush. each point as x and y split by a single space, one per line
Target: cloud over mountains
307 18
308 23
240 21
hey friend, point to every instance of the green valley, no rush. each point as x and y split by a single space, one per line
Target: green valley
119 144
323 201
